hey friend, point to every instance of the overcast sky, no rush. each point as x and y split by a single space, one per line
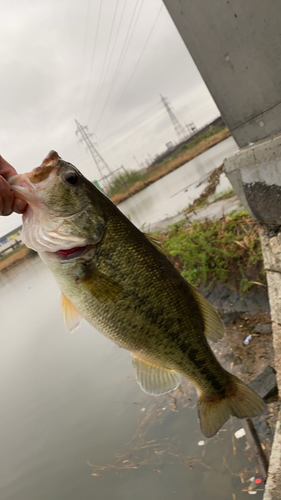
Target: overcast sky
102 62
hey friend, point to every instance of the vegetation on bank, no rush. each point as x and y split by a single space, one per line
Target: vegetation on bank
123 181
12 252
197 139
130 183
208 195
226 250
14 257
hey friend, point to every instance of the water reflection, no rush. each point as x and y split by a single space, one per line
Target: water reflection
68 401
177 190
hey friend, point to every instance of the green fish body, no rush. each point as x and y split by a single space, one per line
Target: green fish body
115 277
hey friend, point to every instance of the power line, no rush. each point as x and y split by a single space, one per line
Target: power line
137 131
136 65
117 67
93 56
139 128
84 47
112 51
129 41
106 52
133 119
121 64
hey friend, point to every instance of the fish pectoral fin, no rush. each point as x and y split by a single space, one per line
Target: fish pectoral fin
153 379
156 243
214 329
71 317
103 288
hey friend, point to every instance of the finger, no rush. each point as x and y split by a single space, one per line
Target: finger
19 206
7 197
6 170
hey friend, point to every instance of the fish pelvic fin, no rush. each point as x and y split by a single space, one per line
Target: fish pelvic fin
214 329
155 380
71 317
239 400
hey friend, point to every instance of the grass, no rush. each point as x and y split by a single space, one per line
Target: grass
128 187
17 255
226 250
191 144
124 181
12 252
208 195
223 195
206 200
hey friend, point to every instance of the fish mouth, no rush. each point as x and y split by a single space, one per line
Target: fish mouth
26 185
21 186
41 228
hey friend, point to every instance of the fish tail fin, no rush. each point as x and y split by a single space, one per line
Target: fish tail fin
238 400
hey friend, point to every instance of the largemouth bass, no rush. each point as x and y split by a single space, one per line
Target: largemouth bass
115 277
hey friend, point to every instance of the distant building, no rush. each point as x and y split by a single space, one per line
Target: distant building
170 145
10 240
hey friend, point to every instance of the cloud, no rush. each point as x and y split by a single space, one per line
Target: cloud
46 50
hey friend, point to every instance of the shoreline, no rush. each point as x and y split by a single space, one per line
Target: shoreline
12 260
161 170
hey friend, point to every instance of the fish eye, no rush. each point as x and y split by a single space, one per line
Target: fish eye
72 178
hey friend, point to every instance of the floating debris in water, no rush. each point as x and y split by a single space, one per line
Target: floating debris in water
201 443
247 340
240 433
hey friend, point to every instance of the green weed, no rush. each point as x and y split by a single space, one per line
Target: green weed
124 181
226 250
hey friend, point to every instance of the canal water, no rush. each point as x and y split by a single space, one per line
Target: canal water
75 424
174 192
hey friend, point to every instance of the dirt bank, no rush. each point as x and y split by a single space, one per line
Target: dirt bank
15 258
163 169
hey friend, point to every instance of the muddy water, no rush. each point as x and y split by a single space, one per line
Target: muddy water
68 401
177 190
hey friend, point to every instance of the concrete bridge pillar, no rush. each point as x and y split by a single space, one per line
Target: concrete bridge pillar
236 47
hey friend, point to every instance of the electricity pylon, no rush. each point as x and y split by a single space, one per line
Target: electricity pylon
102 166
180 131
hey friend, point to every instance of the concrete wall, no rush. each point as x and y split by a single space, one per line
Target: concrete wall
236 47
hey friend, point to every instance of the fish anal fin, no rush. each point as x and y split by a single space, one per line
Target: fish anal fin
71 317
239 400
214 329
155 380
100 286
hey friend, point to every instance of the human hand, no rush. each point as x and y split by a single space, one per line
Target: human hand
8 202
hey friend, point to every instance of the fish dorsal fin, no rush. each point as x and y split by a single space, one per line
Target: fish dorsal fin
213 325
71 317
156 243
153 379
100 286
